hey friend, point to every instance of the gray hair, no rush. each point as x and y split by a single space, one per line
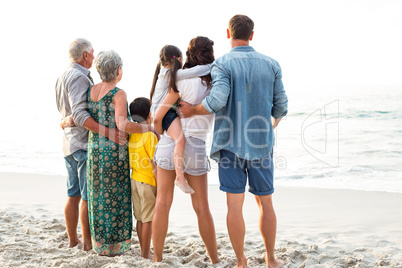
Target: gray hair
77 48
107 63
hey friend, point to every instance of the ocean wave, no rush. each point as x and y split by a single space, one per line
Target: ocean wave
371 114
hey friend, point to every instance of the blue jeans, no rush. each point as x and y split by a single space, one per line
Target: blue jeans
76 164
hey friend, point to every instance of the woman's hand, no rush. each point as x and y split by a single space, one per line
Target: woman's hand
67 121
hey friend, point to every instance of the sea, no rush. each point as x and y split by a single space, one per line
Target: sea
338 137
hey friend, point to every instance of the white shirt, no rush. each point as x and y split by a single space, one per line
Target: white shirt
194 91
162 85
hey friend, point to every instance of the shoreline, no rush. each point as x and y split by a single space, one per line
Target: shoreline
5 174
316 228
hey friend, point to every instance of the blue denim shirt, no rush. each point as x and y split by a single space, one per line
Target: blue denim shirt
246 91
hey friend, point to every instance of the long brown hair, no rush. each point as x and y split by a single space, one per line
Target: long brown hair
200 51
168 54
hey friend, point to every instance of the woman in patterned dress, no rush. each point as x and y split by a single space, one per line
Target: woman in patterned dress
109 191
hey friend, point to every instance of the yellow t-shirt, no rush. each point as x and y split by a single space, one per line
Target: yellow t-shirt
141 149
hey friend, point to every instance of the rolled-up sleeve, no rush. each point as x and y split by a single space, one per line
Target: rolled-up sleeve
78 100
280 100
219 95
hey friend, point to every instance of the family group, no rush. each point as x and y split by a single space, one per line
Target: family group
126 158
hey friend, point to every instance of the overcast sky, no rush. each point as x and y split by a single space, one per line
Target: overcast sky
316 42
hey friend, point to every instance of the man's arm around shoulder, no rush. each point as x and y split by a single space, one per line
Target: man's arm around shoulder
78 90
218 97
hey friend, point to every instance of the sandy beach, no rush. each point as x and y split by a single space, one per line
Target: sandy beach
316 228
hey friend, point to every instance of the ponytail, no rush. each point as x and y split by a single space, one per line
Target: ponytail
157 71
168 55
173 72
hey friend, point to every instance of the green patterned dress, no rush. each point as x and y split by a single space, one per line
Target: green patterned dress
109 189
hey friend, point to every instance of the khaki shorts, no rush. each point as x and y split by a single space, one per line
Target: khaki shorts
144 198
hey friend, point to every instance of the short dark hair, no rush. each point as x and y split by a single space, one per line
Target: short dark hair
139 109
241 27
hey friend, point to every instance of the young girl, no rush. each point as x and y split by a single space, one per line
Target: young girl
168 71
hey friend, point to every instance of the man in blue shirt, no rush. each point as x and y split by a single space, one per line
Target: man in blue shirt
247 91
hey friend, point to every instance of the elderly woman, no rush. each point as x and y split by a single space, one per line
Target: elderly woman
109 192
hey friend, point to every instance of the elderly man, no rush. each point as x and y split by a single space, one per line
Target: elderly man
247 90
71 99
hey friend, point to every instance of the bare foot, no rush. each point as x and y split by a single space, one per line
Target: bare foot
242 263
182 183
87 246
215 261
276 263
157 259
73 243
150 256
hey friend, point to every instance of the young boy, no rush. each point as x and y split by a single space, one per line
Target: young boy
143 184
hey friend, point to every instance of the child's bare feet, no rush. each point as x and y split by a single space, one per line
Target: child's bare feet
182 183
